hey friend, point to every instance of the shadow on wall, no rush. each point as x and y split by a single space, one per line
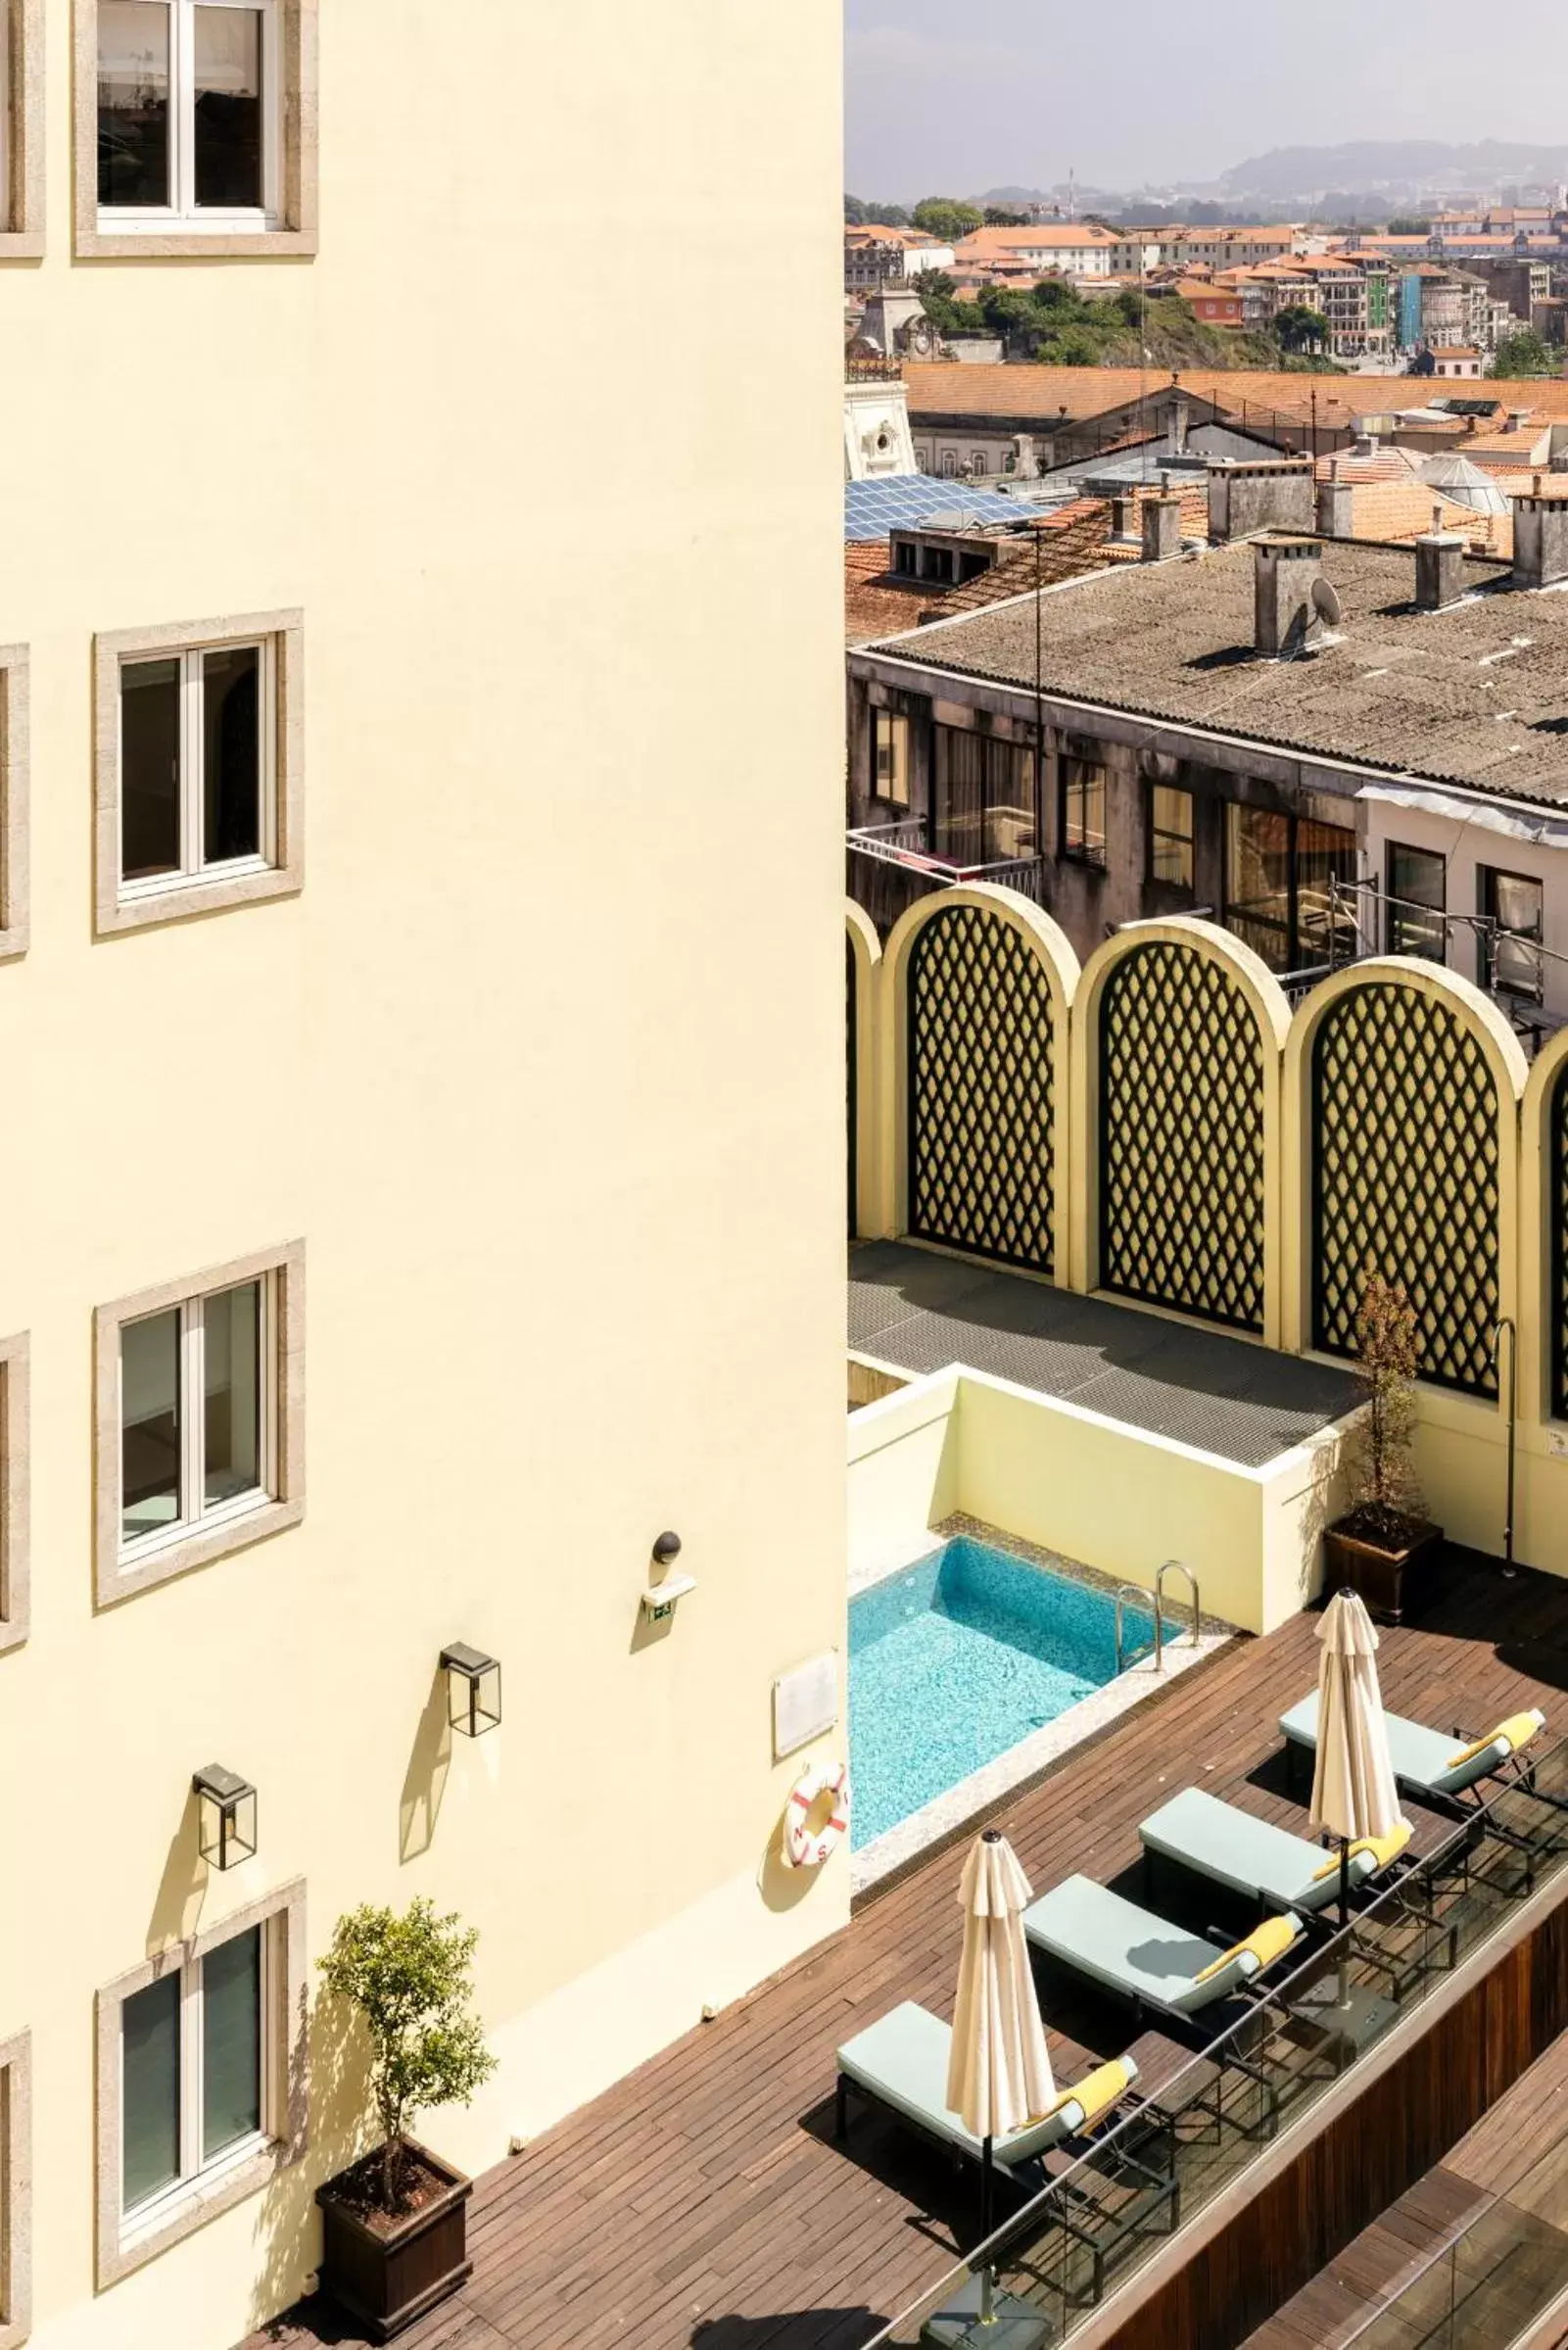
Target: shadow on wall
425 1781
335 2055
183 1887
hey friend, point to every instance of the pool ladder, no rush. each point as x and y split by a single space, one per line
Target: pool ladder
1135 1591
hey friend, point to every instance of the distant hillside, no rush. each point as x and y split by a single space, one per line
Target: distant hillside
1395 163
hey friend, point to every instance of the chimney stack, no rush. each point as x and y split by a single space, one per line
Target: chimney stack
1180 418
1266 494
1287 570
1539 540
1336 504
1162 528
1124 506
1438 567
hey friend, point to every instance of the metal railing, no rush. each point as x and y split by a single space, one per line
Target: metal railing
903 843
1365 919
1098 2219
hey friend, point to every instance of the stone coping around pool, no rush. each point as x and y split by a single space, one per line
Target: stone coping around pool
971 1798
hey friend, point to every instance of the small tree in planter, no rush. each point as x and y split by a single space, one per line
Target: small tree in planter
1386 1531
393 2231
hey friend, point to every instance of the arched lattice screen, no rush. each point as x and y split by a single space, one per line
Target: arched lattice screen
1405 1161
1559 1310
1181 1138
851 1079
980 1089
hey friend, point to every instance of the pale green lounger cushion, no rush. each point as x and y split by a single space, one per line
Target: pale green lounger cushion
1133 1952
901 2060
1250 1857
1423 1758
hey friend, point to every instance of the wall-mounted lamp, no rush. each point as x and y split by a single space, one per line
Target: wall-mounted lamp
660 1599
227 1829
473 1689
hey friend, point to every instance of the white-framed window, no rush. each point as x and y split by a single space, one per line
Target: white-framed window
200 1409
197 2077
197 765
21 179
201 2088
189 115
198 1415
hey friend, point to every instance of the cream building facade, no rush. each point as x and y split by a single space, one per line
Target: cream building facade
423 1191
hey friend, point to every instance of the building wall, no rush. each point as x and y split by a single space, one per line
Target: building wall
517 1065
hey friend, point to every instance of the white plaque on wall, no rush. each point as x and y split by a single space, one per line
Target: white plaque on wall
805 1704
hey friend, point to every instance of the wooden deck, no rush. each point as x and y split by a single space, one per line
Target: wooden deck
1519 2149
702 2204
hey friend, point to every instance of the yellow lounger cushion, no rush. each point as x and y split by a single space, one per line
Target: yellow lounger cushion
1516 1732
1096 2092
1267 1942
1383 1850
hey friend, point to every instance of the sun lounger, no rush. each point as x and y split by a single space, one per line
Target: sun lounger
901 2063
1250 1857
1141 1957
1426 1761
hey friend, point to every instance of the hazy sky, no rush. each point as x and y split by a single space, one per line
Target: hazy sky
952 96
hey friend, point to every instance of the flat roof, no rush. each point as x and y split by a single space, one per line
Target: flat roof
1221 1393
1474 694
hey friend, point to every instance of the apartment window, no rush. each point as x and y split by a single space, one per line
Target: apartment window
949 463
199 1409
891 757
14 1511
977 463
984 799
1287 886
1083 808
1418 887
1171 817
199 769
1510 955
196 2080
16 2201
196 125
21 186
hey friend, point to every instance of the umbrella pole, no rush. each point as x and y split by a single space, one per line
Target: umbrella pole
987 2315
1344 1881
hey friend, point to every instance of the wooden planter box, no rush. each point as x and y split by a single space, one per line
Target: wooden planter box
385 2280
1390 1582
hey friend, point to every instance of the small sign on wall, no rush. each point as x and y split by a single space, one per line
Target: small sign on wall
805 1704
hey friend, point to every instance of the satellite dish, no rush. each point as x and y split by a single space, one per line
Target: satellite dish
1326 604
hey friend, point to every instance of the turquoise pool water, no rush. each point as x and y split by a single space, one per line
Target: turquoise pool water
956 1660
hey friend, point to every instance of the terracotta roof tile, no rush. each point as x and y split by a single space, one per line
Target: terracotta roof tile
943 387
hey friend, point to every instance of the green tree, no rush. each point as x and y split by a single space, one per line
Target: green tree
1302 328
1388 1359
857 212
1410 225
1525 354
410 1979
1057 294
997 215
946 220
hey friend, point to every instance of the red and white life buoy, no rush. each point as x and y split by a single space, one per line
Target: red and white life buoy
801 1849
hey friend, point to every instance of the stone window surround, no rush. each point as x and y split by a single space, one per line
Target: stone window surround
13 874
14 1513
299 161
22 222
185 898
16 2172
114 1582
288 2088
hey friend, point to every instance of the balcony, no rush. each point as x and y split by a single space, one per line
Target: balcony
890 867
1525 980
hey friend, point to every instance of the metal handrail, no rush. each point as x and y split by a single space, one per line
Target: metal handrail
1132 1591
1180 1567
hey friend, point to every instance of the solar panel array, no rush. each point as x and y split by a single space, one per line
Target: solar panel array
872 508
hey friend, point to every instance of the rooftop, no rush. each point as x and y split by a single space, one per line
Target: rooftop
1475 695
944 388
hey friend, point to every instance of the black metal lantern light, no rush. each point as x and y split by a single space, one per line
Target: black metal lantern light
473 1689
227 1817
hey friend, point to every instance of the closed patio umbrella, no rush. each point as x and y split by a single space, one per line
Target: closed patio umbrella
1353 1793
999 2074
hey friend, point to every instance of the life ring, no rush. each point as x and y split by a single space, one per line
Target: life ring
802 1849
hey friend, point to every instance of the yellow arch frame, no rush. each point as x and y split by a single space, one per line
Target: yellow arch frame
1050 943
1270 1010
866 947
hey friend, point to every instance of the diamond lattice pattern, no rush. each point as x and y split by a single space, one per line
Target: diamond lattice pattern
1181 1138
1405 1177
980 1105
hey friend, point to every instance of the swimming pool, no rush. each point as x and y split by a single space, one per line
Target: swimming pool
958 1657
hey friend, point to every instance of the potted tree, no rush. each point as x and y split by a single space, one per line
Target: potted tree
393 2225
1385 1540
